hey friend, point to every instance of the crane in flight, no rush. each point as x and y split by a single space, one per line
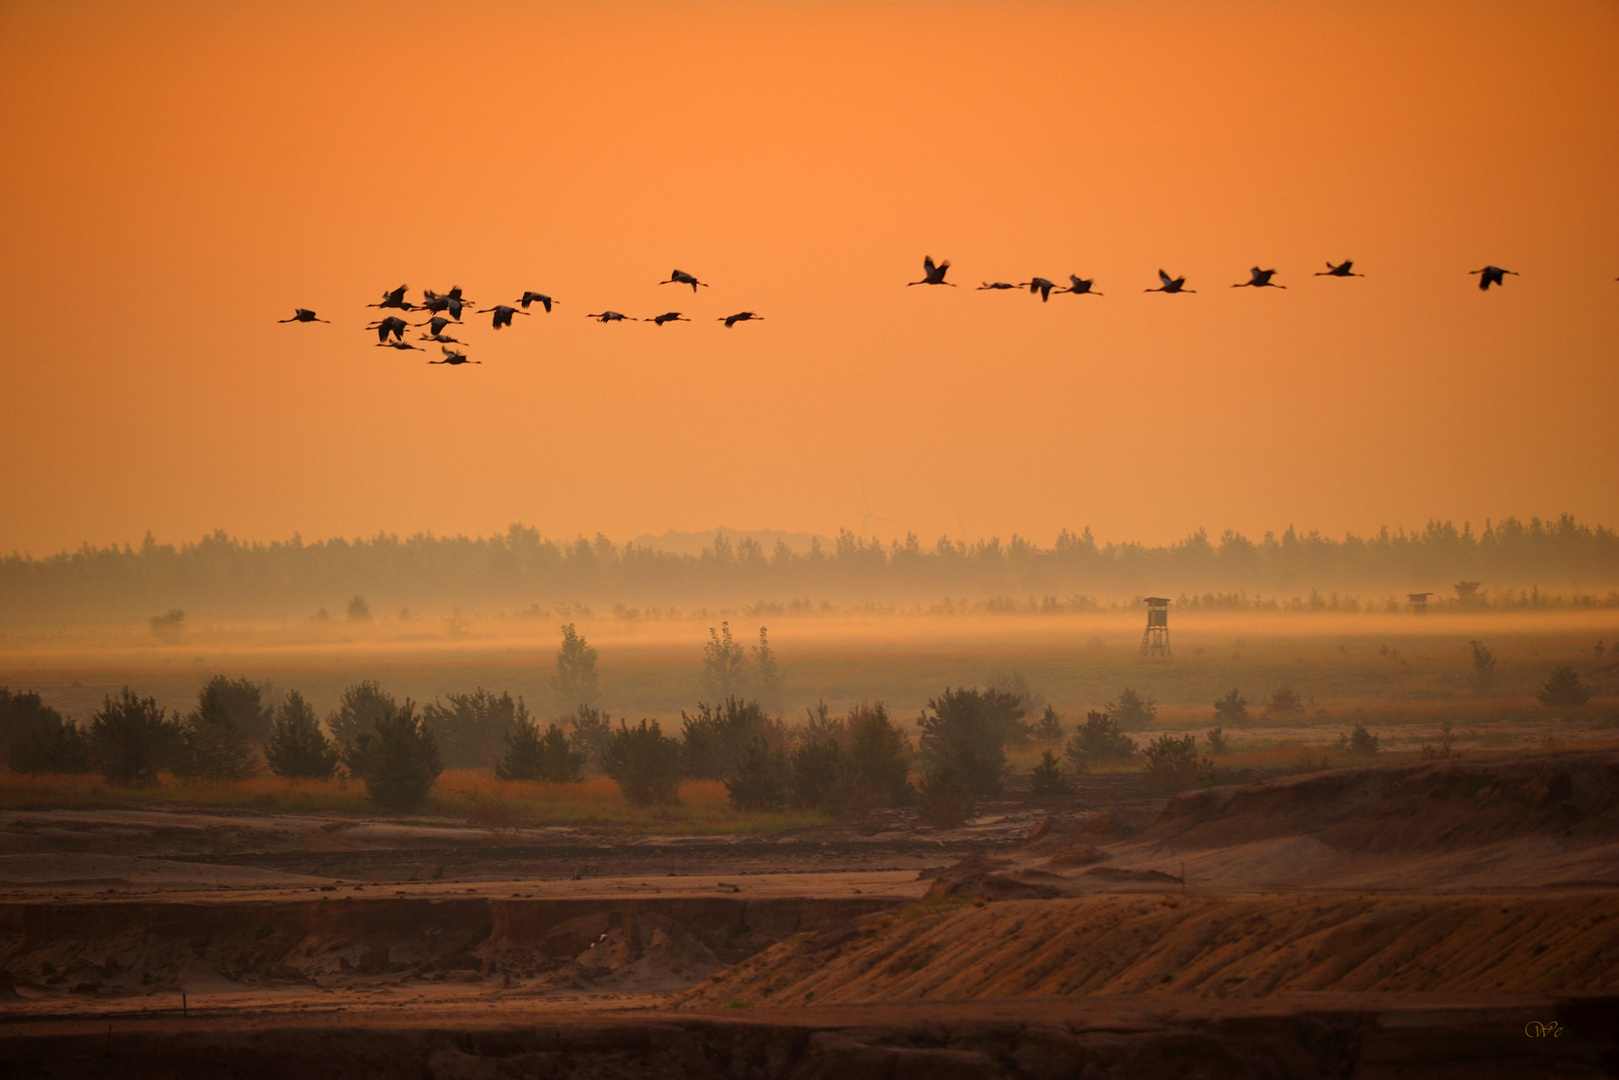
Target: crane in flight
454 357
395 345
436 332
303 314
393 324
1343 269
451 301
1039 285
1260 279
1171 285
610 316
537 298
395 298
933 274
1492 275
741 316
992 285
680 277
1080 287
668 316
503 314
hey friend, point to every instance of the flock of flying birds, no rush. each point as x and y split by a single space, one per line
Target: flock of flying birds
444 309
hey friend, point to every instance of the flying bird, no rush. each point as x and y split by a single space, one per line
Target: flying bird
451 301
535 297
393 324
395 345
1171 285
933 275
1261 279
1039 285
503 314
680 277
454 357
394 298
992 285
1492 275
1341 270
436 324
303 314
1080 287
669 316
610 316
742 316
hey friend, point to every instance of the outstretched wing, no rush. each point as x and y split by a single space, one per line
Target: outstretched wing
927 265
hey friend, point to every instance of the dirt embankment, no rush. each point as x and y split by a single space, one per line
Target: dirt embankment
126 949
1247 947
1339 1039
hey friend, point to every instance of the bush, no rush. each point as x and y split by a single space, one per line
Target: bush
471 729
645 763
591 730
945 797
211 746
575 681
1232 709
759 779
1563 689
532 756
1049 727
1097 740
359 708
1217 740
243 702
968 729
1173 764
1360 741
168 626
714 739
1049 778
359 610
1285 701
131 738
1132 712
34 738
398 759
876 766
815 766
297 748
1483 664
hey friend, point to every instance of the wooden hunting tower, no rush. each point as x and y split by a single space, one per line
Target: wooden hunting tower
1419 602
1155 639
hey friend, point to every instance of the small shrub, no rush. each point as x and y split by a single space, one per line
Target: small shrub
1445 749
1217 740
132 738
1173 764
398 759
645 764
1563 690
1232 709
1049 778
168 626
34 738
359 610
532 756
1284 701
1483 664
944 797
575 682
1049 727
1132 712
758 781
1097 740
1360 742
298 749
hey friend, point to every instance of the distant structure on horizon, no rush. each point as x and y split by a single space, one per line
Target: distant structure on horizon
1419 602
1155 639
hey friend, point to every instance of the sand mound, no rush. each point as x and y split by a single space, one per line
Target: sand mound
977 877
1193 945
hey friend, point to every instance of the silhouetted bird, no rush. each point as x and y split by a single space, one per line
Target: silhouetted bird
394 299
1261 279
436 324
610 316
451 301
1080 287
535 297
442 339
393 324
741 316
503 314
993 285
303 314
680 277
669 316
933 275
1341 270
1171 285
1039 285
395 345
1492 275
451 356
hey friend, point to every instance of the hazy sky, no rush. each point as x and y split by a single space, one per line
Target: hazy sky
177 177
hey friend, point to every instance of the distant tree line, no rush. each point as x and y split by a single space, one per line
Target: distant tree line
219 575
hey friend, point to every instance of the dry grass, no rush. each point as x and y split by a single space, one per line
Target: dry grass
466 794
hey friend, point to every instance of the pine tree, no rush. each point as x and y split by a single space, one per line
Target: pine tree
297 748
398 759
211 746
131 739
575 681
532 756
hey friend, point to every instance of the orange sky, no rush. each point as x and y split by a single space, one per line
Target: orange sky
177 177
